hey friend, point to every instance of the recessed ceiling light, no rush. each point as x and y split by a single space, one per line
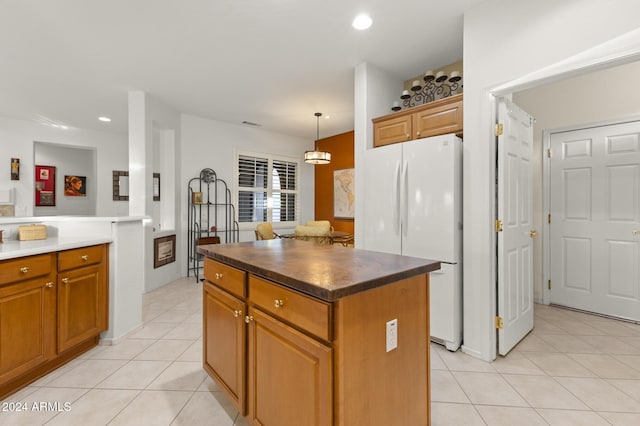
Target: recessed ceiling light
361 22
105 119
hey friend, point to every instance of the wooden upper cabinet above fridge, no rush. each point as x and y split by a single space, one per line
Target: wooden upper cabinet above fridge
434 118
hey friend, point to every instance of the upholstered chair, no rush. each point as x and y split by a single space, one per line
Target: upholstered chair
264 231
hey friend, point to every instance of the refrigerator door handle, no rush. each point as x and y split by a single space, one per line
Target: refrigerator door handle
396 205
405 204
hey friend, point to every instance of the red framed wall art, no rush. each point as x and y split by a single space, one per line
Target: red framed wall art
45 185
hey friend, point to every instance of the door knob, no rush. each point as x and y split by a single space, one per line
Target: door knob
533 233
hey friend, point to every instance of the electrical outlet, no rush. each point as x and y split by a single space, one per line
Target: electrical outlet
392 334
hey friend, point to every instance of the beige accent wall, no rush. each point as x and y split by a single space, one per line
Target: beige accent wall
609 94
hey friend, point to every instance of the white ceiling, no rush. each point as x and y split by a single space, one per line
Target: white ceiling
272 62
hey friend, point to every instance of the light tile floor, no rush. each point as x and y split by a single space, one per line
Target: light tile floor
573 369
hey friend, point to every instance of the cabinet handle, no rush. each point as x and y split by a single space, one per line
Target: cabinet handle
248 319
65 280
84 257
218 275
49 284
408 136
24 269
418 133
237 313
278 303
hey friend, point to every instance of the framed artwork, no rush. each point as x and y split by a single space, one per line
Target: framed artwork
120 185
344 194
75 186
45 186
156 187
196 198
164 250
15 169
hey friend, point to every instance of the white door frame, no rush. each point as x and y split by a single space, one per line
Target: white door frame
617 51
546 192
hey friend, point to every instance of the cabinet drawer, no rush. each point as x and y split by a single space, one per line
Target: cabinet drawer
83 256
226 277
25 268
311 315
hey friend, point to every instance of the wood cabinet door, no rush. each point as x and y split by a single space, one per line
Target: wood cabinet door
392 130
27 326
81 305
224 351
290 375
438 120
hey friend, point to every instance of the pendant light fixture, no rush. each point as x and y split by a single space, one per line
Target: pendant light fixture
317 157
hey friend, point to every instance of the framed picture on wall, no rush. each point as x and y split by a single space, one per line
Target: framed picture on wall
344 194
164 250
45 179
75 186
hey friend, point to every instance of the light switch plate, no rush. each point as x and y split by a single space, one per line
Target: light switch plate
392 334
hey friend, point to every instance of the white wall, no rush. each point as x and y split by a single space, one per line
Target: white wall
149 120
504 40
17 141
603 95
375 91
213 144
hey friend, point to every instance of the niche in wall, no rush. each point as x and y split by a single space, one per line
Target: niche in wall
68 161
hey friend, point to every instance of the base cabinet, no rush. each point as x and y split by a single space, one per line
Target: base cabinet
290 375
27 326
304 361
82 295
51 310
224 348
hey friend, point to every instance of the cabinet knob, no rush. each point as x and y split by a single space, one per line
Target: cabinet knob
278 303
24 269
237 313
218 275
49 284
635 232
248 319
418 133
408 136
84 257
65 280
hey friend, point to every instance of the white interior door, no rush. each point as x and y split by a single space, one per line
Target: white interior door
515 210
595 219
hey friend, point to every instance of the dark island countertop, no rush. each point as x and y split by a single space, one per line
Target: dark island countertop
328 272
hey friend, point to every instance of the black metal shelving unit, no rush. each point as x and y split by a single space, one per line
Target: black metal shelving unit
210 213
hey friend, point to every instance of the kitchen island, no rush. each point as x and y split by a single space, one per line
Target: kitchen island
298 333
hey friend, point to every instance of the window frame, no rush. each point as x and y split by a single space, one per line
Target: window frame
269 190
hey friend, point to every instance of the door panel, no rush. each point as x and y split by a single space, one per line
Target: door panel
595 209
382 191
515 254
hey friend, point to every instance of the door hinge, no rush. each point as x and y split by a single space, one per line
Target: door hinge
548 152
498 225
549 284
499 129
499 323
549 218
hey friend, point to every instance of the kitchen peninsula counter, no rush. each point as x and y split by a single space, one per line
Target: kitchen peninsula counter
298 333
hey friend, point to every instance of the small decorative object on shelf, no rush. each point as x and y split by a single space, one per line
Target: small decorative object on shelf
436 86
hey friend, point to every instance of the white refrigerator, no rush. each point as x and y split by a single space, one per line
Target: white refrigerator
413 207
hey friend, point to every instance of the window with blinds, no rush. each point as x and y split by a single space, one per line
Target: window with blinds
267 189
